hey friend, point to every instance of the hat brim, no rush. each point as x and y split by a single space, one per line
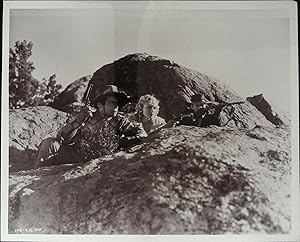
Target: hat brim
122 98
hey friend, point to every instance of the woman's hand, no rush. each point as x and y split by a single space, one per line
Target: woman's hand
170 124
211 111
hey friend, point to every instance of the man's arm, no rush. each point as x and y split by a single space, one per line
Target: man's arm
67 133
130 134
222 119
127 128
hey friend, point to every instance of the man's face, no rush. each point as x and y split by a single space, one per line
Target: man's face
197 105
111 106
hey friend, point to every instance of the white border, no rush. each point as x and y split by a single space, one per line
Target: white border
277 8
4 122
204 5
294 82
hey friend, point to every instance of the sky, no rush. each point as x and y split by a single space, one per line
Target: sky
248 49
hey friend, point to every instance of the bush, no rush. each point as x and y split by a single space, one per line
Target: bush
24 89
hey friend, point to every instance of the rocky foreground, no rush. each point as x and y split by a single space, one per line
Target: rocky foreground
184 180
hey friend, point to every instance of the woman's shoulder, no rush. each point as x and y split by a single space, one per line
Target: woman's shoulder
160 121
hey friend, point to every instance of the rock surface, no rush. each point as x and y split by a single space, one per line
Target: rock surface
70 99
275 117
27 128
184 180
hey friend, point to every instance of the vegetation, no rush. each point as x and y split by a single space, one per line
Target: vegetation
24 89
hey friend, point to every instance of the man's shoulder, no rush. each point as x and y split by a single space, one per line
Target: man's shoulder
187 110
132 116
121 115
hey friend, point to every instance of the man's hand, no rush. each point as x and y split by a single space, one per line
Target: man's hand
231 111
83 115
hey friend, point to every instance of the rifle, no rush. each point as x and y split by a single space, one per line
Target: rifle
86 98
87 101
178 118
216 105
68 129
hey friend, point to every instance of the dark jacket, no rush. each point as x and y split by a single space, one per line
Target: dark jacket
96 139
202 118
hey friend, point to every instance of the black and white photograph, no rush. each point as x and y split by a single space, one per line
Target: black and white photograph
150 118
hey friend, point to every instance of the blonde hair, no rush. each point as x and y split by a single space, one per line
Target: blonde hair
145 99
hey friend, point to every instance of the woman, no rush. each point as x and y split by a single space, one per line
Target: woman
146 112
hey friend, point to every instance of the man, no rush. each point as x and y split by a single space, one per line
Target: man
92 133
204 113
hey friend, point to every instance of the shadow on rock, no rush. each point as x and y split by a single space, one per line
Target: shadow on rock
182 181
28 157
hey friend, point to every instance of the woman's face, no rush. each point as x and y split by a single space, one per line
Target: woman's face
150 110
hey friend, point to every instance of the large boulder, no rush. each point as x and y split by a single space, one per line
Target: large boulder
172 84
70 99
183 180
274 116
27 128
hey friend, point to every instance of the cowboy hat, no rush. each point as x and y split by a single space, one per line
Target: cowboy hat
112 90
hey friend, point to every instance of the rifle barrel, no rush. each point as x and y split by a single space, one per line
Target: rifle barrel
228 104
237 102
87 95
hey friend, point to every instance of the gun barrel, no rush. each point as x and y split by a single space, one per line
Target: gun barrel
241 102
87 95
229 104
